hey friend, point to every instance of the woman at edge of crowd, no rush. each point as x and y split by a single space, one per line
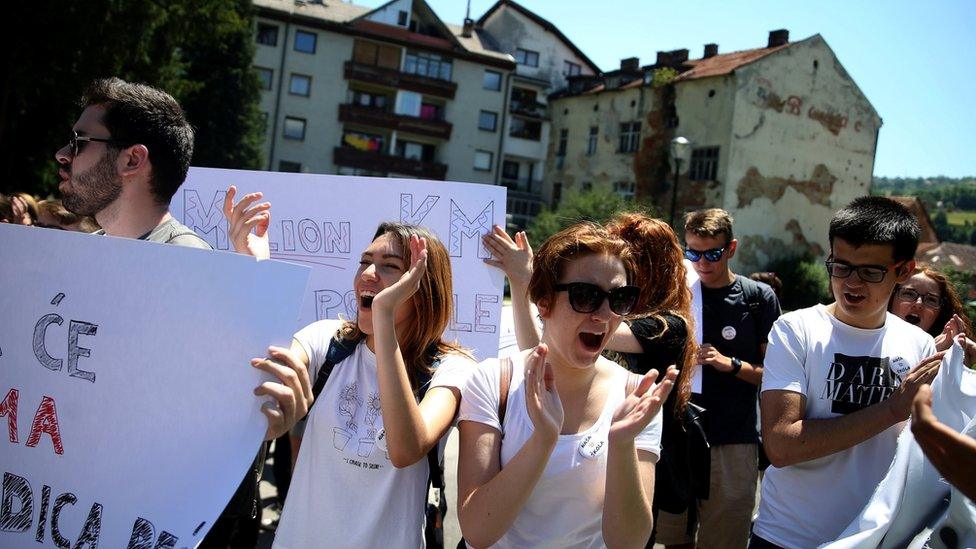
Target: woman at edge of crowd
928 300
404 302
575 466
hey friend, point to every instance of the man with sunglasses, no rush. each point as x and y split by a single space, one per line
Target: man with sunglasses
126 156
737 314
839 382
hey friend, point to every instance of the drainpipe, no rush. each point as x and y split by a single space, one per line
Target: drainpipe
502 127
281 84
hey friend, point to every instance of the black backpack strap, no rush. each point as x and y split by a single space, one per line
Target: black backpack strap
504 384
339 350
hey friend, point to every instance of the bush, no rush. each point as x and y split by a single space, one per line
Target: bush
805 281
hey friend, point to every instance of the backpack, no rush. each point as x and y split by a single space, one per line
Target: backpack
341 349
752 293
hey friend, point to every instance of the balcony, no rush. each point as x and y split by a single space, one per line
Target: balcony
529 109
522 209
371 116
400 80
379 162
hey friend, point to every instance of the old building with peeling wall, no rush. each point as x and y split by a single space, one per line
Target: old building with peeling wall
782 137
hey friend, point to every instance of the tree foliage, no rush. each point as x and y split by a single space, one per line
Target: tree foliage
200 51
805 281
598 204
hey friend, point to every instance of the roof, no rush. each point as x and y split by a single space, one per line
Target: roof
477 43
337 12
545 24
725 63
960 257
928 239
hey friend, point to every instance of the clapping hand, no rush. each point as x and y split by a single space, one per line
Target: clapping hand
399 292
244 217
514 257
638 409
541 399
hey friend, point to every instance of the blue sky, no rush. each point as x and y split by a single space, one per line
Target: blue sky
914 60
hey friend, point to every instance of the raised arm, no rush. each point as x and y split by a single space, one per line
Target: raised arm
789 438
627 518
490 497
247 223
411 429
514 258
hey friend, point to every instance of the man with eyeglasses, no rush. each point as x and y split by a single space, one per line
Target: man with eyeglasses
839 382
737 314
126 156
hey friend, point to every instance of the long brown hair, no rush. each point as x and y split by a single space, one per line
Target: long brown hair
661 275
432 305
951 304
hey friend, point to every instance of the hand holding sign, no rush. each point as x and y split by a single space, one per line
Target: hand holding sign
292 391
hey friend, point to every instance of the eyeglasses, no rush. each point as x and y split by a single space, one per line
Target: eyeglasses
929 301
74 142
867 273
712 255
586 298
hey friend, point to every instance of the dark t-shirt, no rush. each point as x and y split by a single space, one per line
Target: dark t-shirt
735 328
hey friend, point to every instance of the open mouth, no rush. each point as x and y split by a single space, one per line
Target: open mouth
913 319
854 299
591 342
366 299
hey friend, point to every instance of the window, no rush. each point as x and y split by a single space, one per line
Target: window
483 160
266 76
294 128
570 68
376 55
488 120
510 170
587 186
367 99
557 195
430 111
300 84
492 81
624 188
289 166
427 64
528 58
402 18
305 41
591 140
363 141
563 138
267 34
629 137
704 164
525 129
409 103
415 151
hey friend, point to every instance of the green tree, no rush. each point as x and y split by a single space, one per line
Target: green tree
805 281
598 204
199 51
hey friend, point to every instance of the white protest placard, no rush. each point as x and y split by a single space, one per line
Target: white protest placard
126 385
326 221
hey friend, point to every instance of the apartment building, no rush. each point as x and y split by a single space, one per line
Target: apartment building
781 138
396 91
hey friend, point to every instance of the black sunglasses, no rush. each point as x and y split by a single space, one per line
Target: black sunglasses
586 298
712 255
75 141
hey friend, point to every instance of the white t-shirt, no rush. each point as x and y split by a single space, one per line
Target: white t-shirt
840 369
566 507
345 492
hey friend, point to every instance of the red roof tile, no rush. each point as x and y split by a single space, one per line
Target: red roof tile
724 63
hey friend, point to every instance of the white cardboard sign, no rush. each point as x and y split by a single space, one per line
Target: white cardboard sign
326 221
126 385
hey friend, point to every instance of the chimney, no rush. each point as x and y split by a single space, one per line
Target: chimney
679 56
631 64
778 38
711 50
468 27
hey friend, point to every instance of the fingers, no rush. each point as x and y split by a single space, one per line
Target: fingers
522 241
229 201
922 405
287 358
287 389
926 369
646 382
283 396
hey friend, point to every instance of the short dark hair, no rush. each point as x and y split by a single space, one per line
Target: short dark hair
141 114
877 220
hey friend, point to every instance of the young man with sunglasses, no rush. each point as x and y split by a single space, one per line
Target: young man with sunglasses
126 156
737 313
839 382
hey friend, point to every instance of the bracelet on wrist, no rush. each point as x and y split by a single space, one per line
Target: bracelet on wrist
736 366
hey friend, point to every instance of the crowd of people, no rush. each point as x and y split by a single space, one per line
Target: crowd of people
651 387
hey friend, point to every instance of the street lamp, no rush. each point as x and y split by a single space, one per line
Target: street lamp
680 150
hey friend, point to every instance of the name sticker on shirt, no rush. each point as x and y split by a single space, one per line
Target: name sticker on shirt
900 367
591 447
728 333
381 439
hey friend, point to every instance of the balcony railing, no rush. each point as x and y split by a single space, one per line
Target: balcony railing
529 109
520 184
401 80
378 162
371 116
522 209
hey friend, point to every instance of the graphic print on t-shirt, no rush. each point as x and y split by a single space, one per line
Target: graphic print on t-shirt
364 441
372 412
349 402
856 382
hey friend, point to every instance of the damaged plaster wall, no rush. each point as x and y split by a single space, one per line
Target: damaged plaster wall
802 146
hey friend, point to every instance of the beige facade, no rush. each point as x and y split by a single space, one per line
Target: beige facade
782 138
